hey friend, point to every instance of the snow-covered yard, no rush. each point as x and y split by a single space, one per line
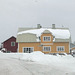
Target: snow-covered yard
36 63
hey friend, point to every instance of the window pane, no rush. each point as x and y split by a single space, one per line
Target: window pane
44 38
58 49
48 38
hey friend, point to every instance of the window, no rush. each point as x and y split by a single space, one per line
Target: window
39 38
46 38
12 43
60 48
46 48
28 49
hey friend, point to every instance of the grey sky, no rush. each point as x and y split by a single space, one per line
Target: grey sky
28 13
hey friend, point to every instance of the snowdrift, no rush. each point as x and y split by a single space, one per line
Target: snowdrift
65 63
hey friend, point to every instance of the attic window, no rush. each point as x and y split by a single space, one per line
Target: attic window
46 38
12 43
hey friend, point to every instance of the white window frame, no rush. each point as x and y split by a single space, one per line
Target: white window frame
45 50
12 42
61 47
28 47
46 40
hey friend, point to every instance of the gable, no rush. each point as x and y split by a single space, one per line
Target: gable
45 35
11 38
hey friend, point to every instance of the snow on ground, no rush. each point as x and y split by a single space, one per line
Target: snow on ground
0 52
63 62
44 64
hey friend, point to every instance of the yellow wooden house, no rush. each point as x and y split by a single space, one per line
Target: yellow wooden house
46 40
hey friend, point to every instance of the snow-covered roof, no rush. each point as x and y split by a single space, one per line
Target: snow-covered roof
58 33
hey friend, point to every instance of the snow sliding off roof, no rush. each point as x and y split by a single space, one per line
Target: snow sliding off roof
58 33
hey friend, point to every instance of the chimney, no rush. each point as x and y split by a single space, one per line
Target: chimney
39 26
53 26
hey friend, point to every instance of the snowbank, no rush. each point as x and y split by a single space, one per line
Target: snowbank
3 49
1 52
41 57
63 62
34 56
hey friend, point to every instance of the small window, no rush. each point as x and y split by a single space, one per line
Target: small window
12 43
46 48
46 38
60 48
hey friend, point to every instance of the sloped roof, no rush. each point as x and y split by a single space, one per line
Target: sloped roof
9 38
24 29
58 33
27 37
72 45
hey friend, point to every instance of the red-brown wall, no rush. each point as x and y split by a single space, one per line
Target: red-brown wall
7 45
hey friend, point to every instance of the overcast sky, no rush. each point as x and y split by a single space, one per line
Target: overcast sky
29 13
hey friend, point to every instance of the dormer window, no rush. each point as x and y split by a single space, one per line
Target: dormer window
46 38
